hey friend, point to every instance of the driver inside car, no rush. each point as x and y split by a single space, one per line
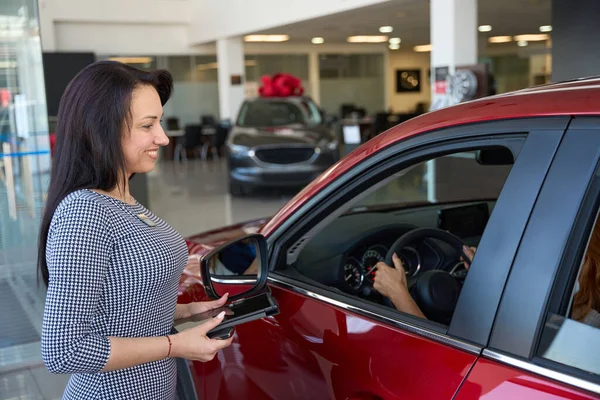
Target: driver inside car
391 283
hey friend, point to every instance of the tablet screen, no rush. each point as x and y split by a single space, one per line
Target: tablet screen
234 310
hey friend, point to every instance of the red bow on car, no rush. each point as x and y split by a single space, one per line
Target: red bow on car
280 85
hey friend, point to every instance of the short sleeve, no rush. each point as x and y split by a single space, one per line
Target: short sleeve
77 254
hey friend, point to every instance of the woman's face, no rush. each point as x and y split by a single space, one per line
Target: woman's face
141 143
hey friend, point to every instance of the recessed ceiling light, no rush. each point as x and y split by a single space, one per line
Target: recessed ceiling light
318 40
367 39
394 46
500 39
546 28
266 38
522 43
395 40
132 60
422 48
484 28
386 29
532 38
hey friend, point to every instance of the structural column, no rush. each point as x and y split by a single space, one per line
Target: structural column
575 39
453 25
230 58
314 78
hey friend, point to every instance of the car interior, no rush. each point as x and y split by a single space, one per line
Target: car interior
400 215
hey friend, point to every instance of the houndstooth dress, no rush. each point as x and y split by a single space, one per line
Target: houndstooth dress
111 274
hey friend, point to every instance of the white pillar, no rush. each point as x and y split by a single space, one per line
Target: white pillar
314 78
453 25
46 18
230 57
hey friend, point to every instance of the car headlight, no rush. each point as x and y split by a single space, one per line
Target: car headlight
330 146
325 145
237 149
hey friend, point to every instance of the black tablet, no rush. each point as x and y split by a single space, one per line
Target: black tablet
236 313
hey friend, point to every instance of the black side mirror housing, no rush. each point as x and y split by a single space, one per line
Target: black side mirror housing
240 262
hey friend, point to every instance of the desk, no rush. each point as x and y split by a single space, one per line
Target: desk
174 136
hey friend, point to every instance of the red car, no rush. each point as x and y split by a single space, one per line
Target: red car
517 176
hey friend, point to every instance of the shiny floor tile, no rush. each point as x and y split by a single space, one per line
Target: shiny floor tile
19 385
51 386
193 197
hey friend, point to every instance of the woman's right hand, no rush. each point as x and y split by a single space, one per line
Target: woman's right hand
193 344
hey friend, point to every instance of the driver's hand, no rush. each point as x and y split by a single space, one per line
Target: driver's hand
389 281
470 253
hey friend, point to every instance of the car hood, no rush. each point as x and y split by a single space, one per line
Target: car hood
202 243
282 135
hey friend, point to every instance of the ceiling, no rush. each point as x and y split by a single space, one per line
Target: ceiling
410 20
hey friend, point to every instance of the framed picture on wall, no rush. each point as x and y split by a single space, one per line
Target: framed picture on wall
408 80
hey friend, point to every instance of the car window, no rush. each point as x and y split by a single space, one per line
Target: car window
269 113
451 178
314 115
454 193
572 337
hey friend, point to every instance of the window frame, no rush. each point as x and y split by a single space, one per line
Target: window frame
518 329
401 155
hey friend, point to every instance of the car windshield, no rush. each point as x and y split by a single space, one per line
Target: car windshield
314 115
270 113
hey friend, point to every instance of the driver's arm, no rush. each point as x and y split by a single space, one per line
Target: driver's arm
391 282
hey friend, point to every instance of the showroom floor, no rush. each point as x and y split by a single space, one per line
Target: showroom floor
192 197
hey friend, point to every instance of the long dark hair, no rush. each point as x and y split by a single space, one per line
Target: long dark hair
94 112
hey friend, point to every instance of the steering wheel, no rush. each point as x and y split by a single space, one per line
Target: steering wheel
435 291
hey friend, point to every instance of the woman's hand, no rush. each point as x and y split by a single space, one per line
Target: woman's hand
202 306
193 344
389 281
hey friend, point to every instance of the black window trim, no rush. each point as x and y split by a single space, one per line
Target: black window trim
442 141
552 297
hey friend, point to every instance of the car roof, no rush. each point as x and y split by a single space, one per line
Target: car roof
576 97
287 98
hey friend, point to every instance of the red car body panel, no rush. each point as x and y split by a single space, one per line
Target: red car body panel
490 380
303 352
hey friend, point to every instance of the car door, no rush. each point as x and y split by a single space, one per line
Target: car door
536 350
326 344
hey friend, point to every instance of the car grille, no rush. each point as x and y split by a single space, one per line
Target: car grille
282 155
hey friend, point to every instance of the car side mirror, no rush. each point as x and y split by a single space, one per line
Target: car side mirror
239 262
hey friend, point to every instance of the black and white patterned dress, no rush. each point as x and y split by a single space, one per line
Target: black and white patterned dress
110 275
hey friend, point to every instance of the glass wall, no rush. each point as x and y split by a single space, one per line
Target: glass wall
511 72
24 175
196 88
356 79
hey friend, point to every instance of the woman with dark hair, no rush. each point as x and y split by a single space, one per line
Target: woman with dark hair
112 268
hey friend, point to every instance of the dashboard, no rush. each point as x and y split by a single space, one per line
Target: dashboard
344 253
